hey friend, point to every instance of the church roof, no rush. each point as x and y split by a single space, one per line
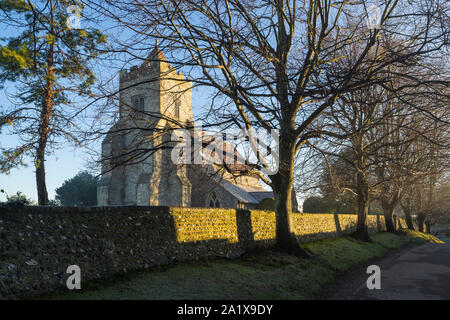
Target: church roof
230 158
238 192
241 193
156 54
260 195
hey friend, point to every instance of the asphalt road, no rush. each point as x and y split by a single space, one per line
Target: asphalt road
418 273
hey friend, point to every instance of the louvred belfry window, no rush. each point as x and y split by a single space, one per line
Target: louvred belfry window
138 103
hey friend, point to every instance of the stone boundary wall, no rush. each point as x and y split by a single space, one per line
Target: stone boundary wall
37 244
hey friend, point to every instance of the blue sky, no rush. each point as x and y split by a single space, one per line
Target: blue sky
60 165
66 162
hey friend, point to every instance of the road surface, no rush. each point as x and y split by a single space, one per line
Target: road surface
419 273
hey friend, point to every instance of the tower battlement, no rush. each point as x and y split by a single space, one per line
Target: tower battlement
156 65
136 72
148 69
155 86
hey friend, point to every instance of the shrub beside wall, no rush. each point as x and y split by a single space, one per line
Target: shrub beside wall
37 244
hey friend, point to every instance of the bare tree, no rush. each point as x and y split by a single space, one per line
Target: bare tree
377 141
441 206
276 64
347 130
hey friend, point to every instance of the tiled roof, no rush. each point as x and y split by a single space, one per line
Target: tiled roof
228 158
260 195
241 194
238 192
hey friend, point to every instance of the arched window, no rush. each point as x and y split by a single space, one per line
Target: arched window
213 200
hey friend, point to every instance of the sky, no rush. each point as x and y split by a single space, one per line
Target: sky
66 162
60 165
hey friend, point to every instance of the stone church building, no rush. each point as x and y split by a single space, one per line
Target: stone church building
155 97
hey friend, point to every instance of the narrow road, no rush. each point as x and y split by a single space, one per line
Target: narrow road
420 273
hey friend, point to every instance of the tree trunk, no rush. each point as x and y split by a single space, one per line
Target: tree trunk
44 129
282 183
44 125
40 177
285 238
362 233
428 226
409 221
388 212
420 221
389 204
408 217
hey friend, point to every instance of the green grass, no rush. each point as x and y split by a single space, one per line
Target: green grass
343 253
421 236
258 275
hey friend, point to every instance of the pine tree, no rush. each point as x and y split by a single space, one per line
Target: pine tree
48 60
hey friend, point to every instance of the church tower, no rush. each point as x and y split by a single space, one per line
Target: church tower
154 98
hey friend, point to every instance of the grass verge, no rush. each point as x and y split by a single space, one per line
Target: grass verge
258 275
420 236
